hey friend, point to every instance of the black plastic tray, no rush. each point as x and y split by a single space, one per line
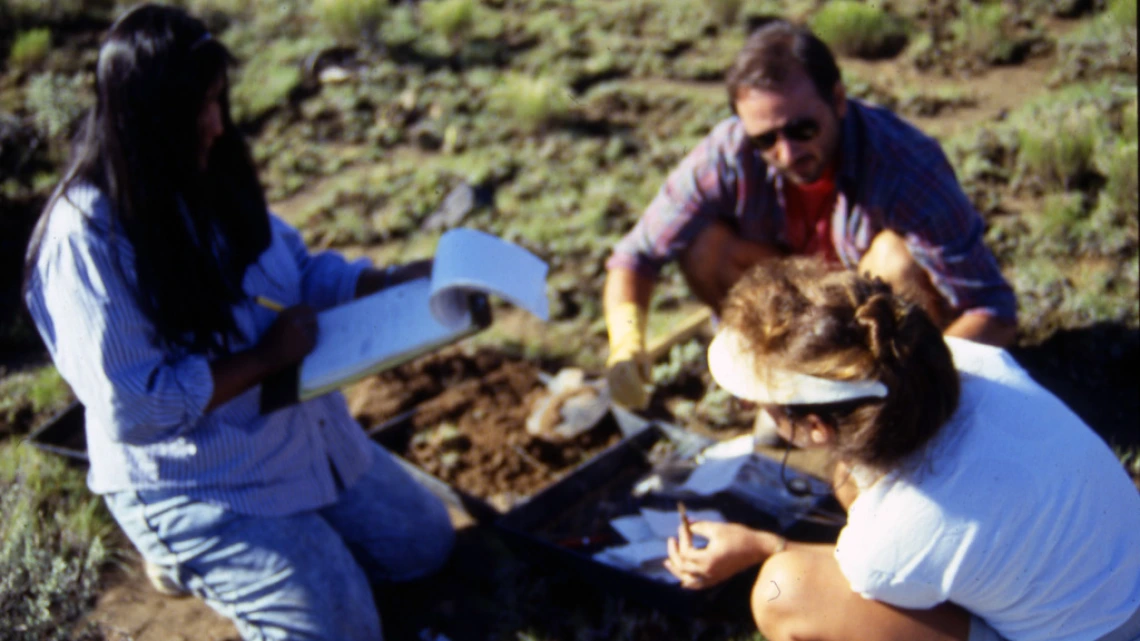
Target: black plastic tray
62 434
548 529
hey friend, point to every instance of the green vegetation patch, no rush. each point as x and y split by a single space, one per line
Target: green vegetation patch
531 102
39 11
265 81
53 542
981 31
858 29
30 394
1102 47
56 102
351 21
30 48
452 19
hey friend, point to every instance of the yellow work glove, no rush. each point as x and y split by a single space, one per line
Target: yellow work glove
627 369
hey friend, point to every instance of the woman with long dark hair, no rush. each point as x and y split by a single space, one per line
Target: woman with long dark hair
979 507
142 276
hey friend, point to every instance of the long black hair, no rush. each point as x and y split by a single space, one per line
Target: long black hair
194 231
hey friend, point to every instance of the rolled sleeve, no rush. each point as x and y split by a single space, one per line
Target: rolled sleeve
327 278
698 192
945 236
108 351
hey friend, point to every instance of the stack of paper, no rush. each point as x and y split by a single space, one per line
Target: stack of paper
646 534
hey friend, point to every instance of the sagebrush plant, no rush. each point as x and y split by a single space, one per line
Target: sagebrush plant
1130 459
30 48
1101 47
264 81
725 12
54 539
1065 151
532 102
352 21
452 19
40 391
1123 12
57 101
980 31
55 10
859 29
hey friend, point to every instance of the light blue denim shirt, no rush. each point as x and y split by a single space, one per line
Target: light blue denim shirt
147 424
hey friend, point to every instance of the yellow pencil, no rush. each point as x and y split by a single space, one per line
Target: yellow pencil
269 303
684 519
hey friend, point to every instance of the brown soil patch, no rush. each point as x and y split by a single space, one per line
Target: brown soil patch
129 609
469 423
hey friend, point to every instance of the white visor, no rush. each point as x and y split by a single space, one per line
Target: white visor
735 368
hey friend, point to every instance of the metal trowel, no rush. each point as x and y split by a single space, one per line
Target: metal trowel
573 405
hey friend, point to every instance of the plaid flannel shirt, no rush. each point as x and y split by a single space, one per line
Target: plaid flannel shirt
891 176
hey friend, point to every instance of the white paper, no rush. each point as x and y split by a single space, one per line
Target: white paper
401 322
467 261
743 445
370 330
665 523
715 475
634 555
633 528
660 573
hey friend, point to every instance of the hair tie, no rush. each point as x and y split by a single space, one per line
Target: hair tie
205 37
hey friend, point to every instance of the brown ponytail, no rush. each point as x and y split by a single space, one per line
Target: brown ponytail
800 316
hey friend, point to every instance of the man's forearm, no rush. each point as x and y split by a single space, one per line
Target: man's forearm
983 328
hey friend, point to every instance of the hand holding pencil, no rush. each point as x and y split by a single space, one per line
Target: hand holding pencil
730 549
292 335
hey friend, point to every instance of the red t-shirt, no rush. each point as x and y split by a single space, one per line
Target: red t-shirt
808 210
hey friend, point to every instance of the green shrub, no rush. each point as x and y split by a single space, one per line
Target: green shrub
858 29
452 19
265 81
1123 12
1101 47
37 392
56 10
1119 202
30 48
1062 216
53 543
725 12
352 20
1064 150
980 31
56 102
1130 459
532 102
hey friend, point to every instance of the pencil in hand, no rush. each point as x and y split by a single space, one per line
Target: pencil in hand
269 303
685 525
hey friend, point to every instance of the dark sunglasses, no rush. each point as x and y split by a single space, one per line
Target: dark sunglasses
801 130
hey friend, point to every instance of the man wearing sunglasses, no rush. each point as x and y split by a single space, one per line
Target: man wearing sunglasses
800 169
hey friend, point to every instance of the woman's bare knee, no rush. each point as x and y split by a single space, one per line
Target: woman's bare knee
778 597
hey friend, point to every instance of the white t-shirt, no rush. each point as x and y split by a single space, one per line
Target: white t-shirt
1018 512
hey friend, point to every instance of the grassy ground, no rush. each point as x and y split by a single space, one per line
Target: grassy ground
364 115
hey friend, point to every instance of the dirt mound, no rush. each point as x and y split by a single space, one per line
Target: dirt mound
469 423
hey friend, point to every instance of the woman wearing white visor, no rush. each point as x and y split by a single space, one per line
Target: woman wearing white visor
979 506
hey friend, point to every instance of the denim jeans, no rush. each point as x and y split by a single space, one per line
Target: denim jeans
302 576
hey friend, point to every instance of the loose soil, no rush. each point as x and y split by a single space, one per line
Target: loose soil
469 423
